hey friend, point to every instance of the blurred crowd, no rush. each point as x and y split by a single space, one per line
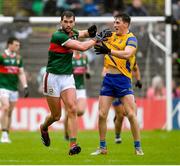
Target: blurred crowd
81 7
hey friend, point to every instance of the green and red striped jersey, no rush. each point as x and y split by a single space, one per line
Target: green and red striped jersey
9 70
59 56
79 62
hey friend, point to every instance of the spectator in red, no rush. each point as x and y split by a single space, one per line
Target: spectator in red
175 90
157 89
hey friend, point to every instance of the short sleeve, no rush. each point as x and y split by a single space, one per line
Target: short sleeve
132 41
59 38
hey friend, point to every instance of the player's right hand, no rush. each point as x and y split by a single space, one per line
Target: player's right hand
101 49
92 31
26 92
102 36
138 84
88 75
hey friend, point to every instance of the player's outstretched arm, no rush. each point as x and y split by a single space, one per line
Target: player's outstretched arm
80 46
83 46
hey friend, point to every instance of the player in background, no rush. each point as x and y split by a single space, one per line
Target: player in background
119 50
80 72
59 81
11 71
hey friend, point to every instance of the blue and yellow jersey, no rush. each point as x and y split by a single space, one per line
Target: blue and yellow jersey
116 42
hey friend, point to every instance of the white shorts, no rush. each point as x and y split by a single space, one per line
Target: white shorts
11 95
81 93
54 84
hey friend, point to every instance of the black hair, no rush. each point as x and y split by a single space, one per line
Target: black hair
67 13
11 40
125 17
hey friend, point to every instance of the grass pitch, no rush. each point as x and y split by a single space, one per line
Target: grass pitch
160 147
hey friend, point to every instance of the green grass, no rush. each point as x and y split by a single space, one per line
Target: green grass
160 147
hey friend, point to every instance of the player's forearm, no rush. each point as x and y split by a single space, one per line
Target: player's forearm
121 54
137 73
22 78
137 76
86 45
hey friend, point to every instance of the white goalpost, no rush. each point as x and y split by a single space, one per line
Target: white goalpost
150 20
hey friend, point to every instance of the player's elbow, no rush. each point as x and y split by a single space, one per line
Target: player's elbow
128 55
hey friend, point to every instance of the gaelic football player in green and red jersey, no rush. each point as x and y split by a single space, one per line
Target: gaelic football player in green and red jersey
59 81
11 71
80 72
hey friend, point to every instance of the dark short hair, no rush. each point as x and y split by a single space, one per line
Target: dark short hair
67 13
11 40
125 17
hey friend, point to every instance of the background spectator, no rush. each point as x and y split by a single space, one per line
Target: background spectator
73 5
136 9
90 8
37 7
176 10
175 90
157 90
50 8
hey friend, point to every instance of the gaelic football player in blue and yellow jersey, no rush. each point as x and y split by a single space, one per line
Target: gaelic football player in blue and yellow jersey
59 81
119 51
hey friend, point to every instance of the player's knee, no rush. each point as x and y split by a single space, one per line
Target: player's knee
131 115
5 107
72 111
102 115
72 114
72 106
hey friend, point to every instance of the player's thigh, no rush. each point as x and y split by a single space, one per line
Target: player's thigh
129 103
69 98
81 99
54 105
104 105
4 98
13 99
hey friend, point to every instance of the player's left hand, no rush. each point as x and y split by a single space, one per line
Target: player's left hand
138 84
92 31
102 49
88 75
102 36
26 92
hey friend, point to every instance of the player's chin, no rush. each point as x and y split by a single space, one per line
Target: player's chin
68 30
117 31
